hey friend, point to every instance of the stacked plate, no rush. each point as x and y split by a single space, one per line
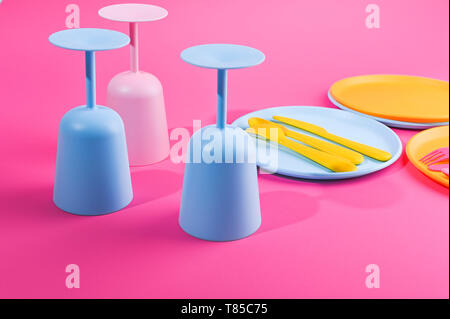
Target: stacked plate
396 100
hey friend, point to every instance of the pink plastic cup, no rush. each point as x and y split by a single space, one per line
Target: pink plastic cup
136 95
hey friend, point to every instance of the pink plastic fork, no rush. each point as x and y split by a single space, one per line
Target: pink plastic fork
441 154
439 168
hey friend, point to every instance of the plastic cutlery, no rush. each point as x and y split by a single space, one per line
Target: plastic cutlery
370 151
438 155
322 145
439 168
332 162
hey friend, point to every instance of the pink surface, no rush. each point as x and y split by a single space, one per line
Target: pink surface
316 238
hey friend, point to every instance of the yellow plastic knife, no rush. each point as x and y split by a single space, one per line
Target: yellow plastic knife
370 151
332 162
320 144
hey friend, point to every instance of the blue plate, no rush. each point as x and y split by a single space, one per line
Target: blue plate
392 123
222 56
342 123
89 39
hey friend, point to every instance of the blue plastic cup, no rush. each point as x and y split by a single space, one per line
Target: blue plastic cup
92 173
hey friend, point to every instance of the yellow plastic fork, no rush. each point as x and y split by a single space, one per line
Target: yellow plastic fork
332 162
355 157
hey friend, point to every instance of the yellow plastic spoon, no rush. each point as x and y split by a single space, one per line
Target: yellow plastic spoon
332 162
370 151
322 145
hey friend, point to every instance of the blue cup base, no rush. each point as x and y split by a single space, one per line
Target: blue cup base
220 199
220 240
68 211
92 175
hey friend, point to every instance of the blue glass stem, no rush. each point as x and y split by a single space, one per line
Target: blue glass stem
90 79
221 98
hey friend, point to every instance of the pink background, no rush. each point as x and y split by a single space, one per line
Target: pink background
316 238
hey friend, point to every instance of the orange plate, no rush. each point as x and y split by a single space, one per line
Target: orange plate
395 97
424 143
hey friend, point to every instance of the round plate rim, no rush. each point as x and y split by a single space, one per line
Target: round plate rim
388 122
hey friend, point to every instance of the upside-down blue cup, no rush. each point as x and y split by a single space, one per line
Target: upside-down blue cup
92 174
220 197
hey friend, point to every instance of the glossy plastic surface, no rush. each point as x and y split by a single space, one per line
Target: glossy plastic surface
342 123
220 199
136 95
92 174
222 56
424 143
395 97
138 98
332 162
133 12
89 39
373 152
391 123
325 146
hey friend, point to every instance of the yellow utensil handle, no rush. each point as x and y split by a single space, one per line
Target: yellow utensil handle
328 147
370 151
361 148
332 162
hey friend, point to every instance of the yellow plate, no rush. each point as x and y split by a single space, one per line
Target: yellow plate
425 142
395 97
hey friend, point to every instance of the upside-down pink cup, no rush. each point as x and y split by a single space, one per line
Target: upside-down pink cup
138 96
